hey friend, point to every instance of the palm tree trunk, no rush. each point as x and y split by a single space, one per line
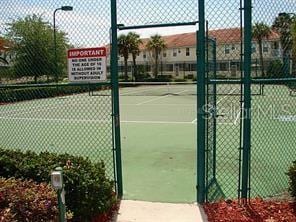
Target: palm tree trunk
134 68
156 64
285 59
125 70
261 58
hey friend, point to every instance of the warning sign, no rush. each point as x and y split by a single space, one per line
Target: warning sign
87 65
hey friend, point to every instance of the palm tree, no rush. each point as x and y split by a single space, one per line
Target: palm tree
129 44
135 49
293 34
124 50
282 25
261 31
156 44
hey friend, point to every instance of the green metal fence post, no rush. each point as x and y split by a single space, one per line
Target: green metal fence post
247 98
201 104
115 97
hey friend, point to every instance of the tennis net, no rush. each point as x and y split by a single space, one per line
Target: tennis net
176 89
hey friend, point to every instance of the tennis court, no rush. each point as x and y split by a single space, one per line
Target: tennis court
158 134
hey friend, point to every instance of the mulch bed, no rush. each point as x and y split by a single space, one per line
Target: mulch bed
257 210
108 216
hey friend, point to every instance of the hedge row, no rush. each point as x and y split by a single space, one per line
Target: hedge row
8 95
89 192
27 201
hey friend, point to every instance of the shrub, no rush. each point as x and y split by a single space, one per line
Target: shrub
292 182
275 69
8 95
180 80
27 201
89 192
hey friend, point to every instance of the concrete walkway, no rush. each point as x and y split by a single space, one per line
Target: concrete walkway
139 211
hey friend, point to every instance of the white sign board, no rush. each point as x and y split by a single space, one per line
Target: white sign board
87 65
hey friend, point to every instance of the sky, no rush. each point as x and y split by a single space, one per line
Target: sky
89 23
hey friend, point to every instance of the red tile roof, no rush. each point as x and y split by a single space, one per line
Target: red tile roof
222 36
4 45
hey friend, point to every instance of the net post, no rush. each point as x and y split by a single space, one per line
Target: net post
115 98
201 103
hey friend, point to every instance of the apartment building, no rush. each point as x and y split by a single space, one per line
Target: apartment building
5 56
179 57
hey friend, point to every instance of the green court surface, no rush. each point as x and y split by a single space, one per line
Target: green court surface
158 135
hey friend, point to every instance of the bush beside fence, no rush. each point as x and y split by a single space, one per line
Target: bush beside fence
27 201
9 95
88 190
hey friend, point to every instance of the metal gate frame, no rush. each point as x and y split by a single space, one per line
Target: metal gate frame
203 182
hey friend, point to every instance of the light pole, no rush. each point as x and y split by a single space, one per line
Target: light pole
63 8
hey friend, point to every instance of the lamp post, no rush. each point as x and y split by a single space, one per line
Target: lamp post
63 8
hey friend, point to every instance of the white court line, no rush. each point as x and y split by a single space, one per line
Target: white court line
58 120
92 121
161 104
28 109
225 96
232 123
33 110
156 122
134 92
158 98
194 121
238 116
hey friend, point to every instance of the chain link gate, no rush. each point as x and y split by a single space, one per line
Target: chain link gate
226 109
213 191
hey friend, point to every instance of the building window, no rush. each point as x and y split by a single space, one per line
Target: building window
253 47
265 46
144 55
275 45
233 47
227 49
223 66
187 52
170 67
174 52
164 54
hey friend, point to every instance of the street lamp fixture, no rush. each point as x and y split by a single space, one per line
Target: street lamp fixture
66 8
63 8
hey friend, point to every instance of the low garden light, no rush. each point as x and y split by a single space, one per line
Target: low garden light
58 184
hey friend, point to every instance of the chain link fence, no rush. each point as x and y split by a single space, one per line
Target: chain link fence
272 100
273 114
71 118
49 116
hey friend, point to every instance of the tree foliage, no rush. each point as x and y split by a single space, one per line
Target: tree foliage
33 48
135 49
124 49
261 32
282 25
293 35
129 44
156 44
